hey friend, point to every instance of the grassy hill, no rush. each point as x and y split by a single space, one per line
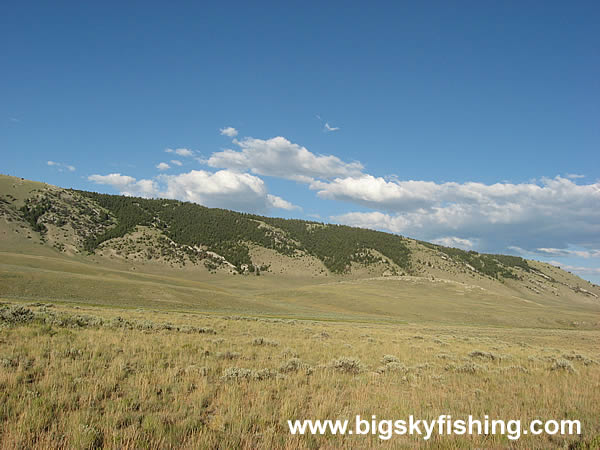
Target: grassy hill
75 246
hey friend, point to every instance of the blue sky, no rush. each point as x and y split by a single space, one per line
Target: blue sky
471 124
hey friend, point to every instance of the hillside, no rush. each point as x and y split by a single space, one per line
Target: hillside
64 244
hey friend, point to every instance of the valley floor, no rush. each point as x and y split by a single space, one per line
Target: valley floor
96 353
86 376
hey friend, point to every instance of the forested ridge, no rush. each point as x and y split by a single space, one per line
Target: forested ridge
228 233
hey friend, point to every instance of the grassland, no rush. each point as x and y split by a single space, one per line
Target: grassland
87 377
403 299
163 358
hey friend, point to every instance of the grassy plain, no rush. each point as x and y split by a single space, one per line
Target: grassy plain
87 376
96 281
120 358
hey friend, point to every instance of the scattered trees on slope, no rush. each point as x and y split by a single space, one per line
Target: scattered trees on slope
495 266
228 234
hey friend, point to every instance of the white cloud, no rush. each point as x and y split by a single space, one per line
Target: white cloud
327 128
554 213
113 179
375 220
278 202
453 241
279 157
176 162
229 131
518 249
61 166
181 152
163 166
378 193
127 185
569 252
222 189
574 176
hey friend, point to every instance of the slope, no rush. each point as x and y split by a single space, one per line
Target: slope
72 246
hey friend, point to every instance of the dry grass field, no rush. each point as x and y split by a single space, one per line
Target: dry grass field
90 377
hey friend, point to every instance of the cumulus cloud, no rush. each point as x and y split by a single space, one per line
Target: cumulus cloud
187 153
278 202
176 162
553 213
61 166
279 157
229 131
163 166
223 189
127 185
378 193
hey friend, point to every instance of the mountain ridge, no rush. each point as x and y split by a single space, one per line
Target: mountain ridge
163 234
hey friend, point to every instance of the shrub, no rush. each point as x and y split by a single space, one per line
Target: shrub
389 359
294 365
347 365
468 367
239 373
192 330
264 341
263 374
581 358
9 363
205 330
16 314
563 364
393 366
483 355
